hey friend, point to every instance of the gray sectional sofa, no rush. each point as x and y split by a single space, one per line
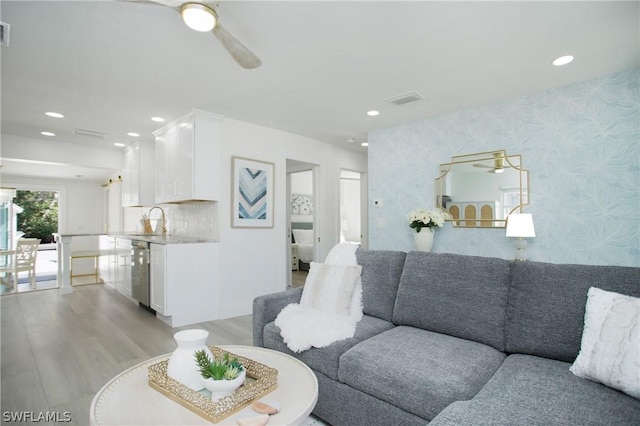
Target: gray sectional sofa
449 339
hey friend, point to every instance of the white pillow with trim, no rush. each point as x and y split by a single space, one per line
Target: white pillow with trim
329 288
610 348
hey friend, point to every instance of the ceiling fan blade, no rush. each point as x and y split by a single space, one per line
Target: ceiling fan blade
173 4
241 53
484 166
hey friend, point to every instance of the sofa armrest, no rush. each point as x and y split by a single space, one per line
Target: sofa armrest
266 308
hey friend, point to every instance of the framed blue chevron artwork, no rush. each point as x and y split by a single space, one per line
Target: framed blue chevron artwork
252 191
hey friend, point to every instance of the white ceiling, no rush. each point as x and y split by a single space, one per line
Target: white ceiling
110 66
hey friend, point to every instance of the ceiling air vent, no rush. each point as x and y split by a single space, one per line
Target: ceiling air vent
4 33
91 133
405 98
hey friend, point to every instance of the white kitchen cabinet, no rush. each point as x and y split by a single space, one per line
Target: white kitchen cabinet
107 264
158 273
138 175
123 255
164 190
188 158
185 282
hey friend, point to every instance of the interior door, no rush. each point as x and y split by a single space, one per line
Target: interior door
302 183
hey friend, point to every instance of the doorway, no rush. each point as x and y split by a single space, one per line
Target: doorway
353 212
27 213
302 220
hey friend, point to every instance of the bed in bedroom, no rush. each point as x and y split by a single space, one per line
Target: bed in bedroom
302 239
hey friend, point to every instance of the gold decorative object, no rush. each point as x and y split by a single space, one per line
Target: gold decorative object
482 189
148 230
260 380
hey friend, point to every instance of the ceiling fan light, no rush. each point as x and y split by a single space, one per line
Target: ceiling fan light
198 17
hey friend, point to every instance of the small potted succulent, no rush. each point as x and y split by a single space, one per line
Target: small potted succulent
220 376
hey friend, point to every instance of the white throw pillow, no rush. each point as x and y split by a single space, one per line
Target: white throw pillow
610 348
342 254
330 288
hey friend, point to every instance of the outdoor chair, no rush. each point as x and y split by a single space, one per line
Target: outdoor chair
23 258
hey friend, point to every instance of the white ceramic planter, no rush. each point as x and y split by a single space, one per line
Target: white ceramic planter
222 388
182 365
424 239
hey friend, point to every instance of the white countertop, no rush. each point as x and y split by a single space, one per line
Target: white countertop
157 239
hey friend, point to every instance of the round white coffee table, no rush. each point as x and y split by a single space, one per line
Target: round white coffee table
129 400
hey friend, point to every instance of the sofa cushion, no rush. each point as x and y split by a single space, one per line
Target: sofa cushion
547 302
418 370
463 296
529 390
381 270
325 360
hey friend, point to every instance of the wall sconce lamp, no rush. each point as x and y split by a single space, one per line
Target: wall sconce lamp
520 226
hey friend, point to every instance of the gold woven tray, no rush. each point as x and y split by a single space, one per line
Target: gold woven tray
260 380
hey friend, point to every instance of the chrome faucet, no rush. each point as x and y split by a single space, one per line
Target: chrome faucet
164 220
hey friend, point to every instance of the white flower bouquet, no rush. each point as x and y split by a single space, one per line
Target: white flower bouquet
422 218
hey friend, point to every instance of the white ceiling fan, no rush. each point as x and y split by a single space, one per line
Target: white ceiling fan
498 164
202 16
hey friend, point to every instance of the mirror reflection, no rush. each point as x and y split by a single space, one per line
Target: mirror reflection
481 190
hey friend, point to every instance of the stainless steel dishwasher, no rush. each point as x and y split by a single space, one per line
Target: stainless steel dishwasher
140 276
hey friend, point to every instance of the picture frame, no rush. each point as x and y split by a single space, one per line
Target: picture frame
251 193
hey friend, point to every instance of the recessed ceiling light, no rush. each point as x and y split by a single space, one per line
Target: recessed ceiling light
134 134
373 113
157 119
563 60
364 144
119 144
54 114
47 133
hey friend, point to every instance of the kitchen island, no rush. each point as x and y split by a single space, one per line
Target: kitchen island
183 274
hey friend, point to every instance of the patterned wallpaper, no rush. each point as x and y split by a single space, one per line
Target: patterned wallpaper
581 144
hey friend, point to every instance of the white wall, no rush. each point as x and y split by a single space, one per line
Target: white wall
253 260
17 147
350 214
302 183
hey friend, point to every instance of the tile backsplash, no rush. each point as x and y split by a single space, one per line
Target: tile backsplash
192 219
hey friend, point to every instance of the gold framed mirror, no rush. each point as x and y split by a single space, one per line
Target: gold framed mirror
480 190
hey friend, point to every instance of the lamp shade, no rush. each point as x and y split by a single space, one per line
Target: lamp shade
520 226
198 16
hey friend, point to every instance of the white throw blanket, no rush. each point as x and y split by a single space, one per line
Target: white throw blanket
302 326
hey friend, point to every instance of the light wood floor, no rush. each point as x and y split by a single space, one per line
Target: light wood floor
298 278
59 350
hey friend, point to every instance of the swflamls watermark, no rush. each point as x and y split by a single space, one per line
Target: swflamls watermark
32 416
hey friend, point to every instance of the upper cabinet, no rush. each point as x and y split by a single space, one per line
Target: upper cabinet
138 174
188 158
